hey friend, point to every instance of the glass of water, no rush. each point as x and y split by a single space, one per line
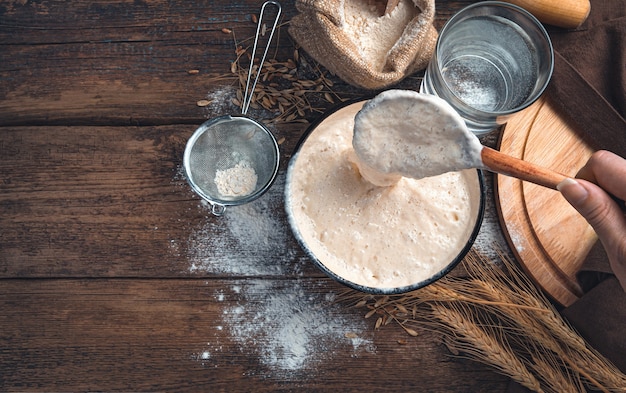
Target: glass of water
492 59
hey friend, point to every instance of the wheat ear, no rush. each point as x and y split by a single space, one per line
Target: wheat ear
482 346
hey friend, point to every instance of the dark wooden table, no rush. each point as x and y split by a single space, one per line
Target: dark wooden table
114 276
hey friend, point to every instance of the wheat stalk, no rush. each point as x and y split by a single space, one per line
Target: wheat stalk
481 345
549 370
518 315
547 327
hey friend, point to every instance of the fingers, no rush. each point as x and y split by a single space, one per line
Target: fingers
604 215
602 178
608 170
596 206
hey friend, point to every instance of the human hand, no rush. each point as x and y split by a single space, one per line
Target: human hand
603 174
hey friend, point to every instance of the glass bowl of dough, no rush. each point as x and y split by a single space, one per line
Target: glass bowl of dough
376 239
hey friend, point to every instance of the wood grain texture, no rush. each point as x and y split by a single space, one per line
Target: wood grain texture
505 164
98 201
568 14
547 235
167 335
113 274
116 62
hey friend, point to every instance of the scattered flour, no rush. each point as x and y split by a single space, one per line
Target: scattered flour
292 329
517 238
248 240
244 240
237 181
490 241
289 326
221 101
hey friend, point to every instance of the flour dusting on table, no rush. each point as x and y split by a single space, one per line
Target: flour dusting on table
291 325
220 101
248 240
289 328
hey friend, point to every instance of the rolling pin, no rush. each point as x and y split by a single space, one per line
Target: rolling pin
568 14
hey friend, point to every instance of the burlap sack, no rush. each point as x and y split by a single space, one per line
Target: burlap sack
325 31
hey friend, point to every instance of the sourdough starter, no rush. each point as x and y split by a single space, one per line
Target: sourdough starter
405 133
378 237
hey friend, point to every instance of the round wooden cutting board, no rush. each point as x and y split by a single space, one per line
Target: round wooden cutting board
548 237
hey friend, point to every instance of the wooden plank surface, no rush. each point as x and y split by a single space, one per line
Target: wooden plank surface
550 239
190 335
113 274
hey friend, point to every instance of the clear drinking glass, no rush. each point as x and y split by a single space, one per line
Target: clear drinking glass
492 59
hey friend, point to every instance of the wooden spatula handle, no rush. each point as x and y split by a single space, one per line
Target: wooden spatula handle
524 170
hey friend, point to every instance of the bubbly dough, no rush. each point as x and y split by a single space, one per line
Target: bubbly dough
379 237
405 133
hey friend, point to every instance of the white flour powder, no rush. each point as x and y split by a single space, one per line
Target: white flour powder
248 240
373 34
290 326
220 101
237 181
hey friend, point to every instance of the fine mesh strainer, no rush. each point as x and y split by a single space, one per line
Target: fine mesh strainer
232 160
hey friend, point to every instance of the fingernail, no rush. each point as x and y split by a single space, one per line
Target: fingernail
573 191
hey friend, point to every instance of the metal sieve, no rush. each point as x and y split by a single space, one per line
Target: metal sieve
232 160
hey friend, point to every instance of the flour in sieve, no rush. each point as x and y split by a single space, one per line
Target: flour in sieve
298 325
237 181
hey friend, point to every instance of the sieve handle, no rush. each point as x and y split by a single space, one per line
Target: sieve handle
247 98
217 209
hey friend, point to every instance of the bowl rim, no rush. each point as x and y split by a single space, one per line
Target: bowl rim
359 287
